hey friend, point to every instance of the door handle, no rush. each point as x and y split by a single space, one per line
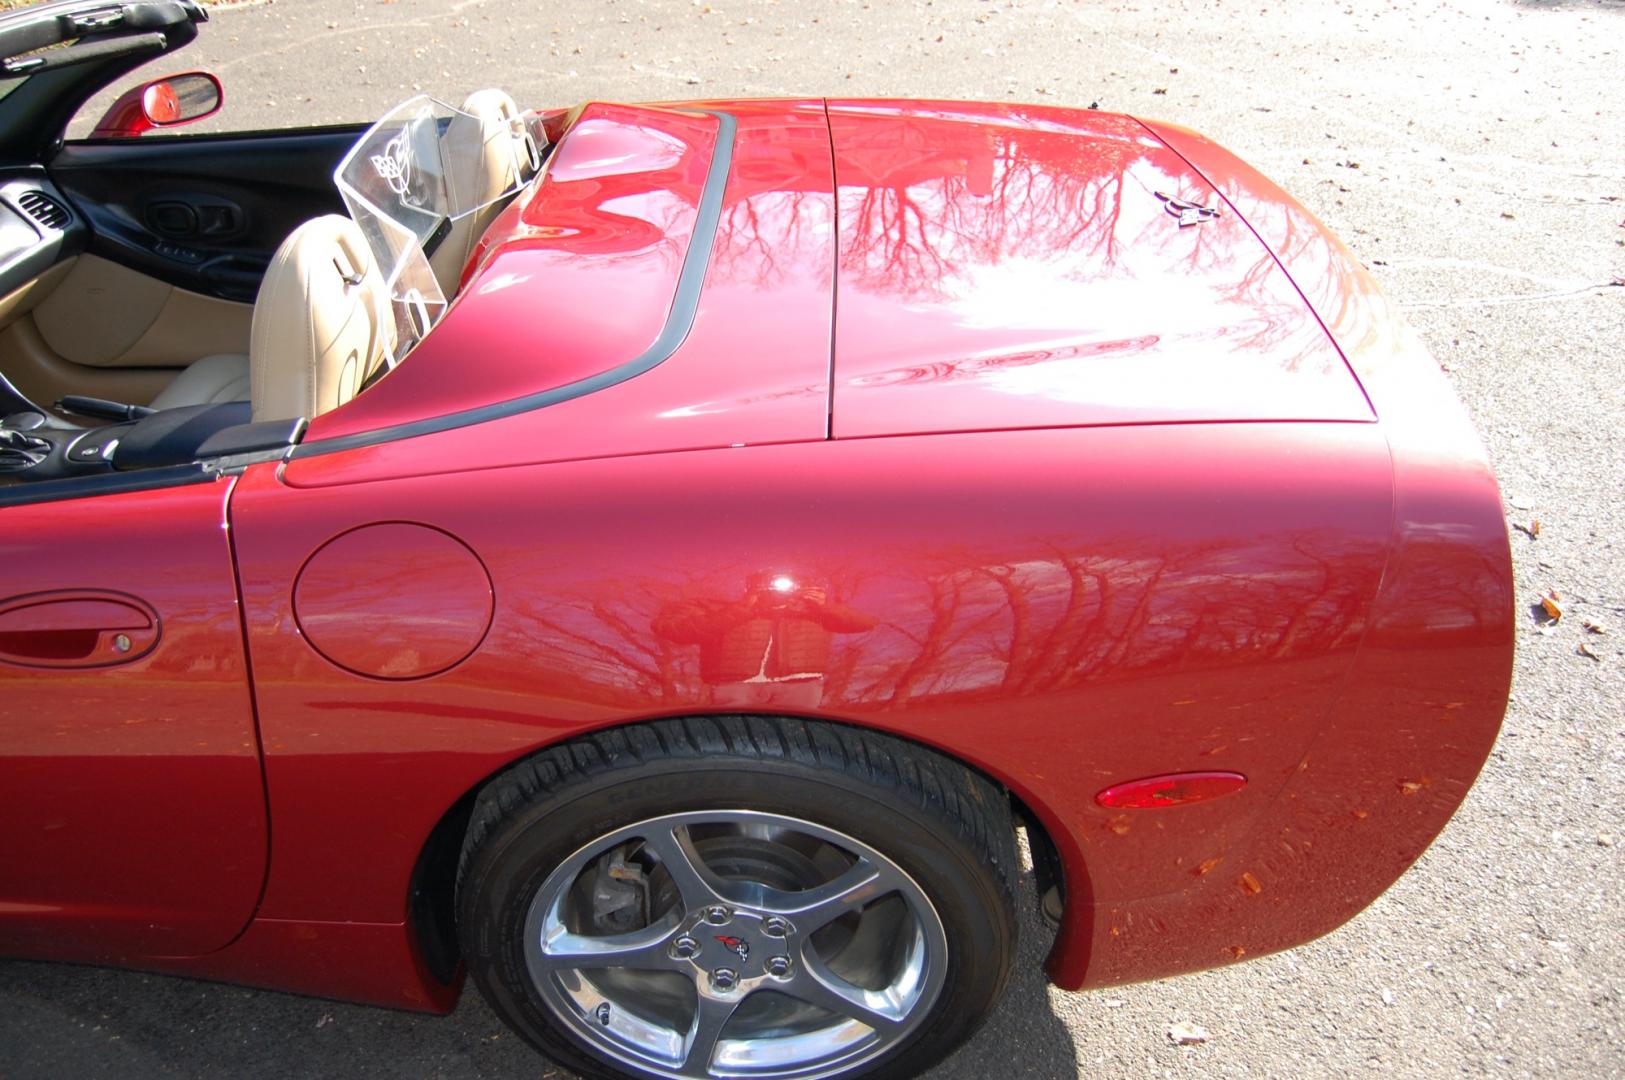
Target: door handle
189 217
76 629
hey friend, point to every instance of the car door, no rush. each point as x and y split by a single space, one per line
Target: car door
132 807
203 213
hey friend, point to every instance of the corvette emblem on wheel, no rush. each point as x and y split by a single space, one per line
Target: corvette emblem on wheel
738 945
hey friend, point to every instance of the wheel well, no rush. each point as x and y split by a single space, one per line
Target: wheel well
432 902
1049 872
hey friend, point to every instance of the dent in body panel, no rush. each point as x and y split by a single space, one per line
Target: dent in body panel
1063 609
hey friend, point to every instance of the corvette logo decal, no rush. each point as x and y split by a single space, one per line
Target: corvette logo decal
1188 213
394 165
738 945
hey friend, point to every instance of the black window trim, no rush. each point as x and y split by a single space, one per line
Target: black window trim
679 321
108 483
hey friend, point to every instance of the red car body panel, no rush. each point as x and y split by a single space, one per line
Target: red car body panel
1298 573
132 813
1016 267
585 303
1411 730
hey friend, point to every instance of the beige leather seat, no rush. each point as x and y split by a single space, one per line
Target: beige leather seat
319 323
490 158
209 381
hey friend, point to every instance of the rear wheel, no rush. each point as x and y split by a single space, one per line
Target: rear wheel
740 897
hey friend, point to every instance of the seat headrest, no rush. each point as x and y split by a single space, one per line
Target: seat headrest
318 323
489 156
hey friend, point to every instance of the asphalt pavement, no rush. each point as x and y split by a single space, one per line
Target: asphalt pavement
1470 153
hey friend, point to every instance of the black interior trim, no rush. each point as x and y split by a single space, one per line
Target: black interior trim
12 400
87 52
51 245
175 436
679 321
265 184
180 140
252 438
38 111
112 483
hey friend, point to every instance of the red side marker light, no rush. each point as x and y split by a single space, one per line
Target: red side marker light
1170 790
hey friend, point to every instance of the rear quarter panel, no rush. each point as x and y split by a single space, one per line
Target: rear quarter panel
1404 742
1065 609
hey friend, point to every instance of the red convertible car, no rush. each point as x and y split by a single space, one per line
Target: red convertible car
659 559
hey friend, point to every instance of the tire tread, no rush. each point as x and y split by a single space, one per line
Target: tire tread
962 799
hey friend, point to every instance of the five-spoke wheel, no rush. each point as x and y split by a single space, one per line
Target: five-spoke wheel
740 897
759 944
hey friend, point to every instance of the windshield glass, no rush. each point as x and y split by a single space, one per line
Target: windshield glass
407 178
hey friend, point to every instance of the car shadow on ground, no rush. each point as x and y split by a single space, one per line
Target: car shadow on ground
60 1020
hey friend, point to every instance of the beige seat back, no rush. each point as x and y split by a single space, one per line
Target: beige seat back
487 158
318 323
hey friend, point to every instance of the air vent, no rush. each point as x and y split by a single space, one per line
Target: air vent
44 209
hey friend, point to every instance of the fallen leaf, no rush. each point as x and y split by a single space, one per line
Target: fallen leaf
1552 604
1583 651
1186 1034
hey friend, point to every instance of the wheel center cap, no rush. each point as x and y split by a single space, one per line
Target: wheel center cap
736 945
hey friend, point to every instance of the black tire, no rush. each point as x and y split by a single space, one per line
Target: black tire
945 826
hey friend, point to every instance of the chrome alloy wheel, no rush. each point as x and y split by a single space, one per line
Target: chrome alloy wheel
733 943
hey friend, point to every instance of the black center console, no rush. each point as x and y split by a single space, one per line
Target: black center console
35 446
